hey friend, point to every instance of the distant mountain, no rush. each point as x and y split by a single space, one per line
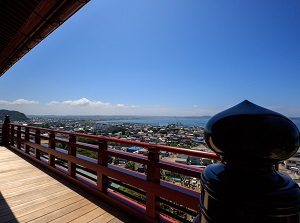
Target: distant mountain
14 115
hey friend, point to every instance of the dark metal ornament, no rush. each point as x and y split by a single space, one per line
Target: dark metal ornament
245 187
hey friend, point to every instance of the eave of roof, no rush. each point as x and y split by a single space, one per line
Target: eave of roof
24 24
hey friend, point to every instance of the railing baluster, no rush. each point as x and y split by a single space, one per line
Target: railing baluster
153 175
72 152
51 145
103 161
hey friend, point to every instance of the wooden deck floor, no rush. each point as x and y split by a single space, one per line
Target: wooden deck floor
29 193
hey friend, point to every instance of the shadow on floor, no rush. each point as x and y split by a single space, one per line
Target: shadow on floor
5 210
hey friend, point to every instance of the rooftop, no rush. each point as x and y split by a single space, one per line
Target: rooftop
24 24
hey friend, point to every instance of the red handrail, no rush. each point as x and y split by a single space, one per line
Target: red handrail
28 141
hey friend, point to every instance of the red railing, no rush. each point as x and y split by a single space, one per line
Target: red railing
147 196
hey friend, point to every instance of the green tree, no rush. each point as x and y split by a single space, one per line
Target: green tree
130 165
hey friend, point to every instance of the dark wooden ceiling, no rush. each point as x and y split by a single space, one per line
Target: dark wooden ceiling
23 24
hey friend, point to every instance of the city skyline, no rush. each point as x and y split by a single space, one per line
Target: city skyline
184 58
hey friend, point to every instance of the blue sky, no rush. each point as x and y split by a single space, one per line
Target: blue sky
162 57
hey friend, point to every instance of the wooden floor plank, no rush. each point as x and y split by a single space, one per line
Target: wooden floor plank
27 197
77 213
21 185
34 205
30 188
29 193
51 212
106 217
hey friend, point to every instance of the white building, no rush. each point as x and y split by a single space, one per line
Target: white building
293 163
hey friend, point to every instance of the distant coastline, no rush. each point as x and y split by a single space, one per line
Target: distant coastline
296 121
151 120
163 121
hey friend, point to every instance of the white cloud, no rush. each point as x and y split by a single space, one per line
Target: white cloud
18 102
127 106
53 103
89 107
79 102
84 106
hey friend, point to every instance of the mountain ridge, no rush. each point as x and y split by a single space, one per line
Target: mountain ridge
13 115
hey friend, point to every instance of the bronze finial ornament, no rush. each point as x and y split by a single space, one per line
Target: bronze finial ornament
246 187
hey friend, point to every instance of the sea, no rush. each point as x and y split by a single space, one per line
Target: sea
296 122
166 120
161 120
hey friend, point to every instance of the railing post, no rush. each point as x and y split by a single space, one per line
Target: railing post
103 161
51 145
19 137
12 133
26 139
72 152
153 175
37 140
5 131
246 187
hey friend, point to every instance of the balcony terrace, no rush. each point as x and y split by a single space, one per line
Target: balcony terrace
146 197
43 178
228 188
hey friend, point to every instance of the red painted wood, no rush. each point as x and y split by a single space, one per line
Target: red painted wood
72 152
150 182
12 132
51 145
102 161
26 147
37 140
